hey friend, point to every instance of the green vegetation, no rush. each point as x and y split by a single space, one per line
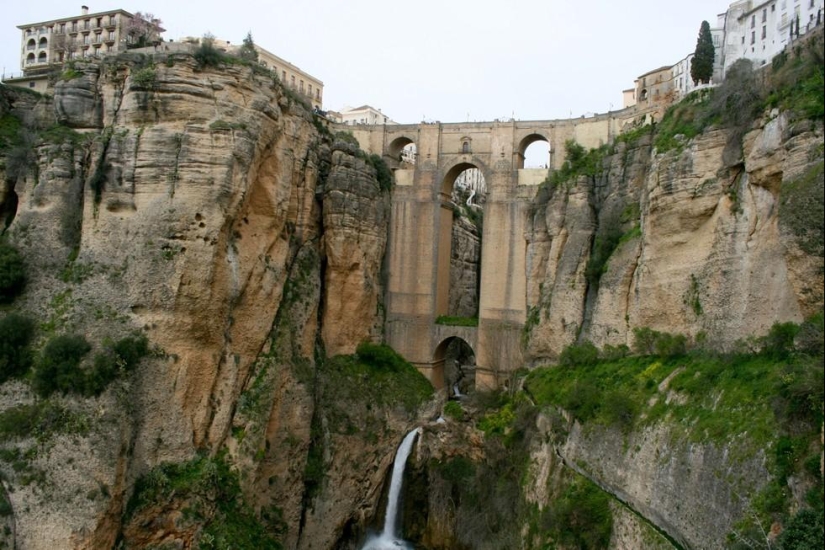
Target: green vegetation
59 367
12 272
248 51
802 209
377 373
686 119
208 491
10 127
578 162
382 172
16 332
41 420
454 321
453 409
59 134
219 125
701 66
145 77
207 55
767 397
797 81
70 73
487 495
581 517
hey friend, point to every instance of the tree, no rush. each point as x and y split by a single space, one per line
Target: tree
248 51
143 30
12 272
701 66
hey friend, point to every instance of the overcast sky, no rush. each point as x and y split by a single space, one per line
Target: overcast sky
446 60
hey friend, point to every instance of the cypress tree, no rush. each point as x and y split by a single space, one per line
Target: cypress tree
248 50
701 66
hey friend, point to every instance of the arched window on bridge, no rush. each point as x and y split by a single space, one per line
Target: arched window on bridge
458 361
403 150
534 152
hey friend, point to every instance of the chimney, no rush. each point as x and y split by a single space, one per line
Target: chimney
84 10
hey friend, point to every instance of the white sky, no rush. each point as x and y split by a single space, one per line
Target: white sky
446 60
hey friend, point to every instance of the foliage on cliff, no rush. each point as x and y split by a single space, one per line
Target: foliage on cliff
208 491
768 395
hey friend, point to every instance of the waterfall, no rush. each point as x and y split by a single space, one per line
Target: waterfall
388 538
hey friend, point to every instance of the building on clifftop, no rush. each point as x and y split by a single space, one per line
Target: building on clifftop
56 41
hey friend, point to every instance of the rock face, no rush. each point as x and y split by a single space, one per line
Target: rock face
205 208
465 262
702 246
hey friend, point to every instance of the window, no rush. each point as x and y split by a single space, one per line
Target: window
753 21
111 35
764 15
292 81
111 20
743 40
74 26
99 22
283 76
302 86
31 84
86 39
465 147
764 32
318 94
753 37
87 24
773 8
62 28
310 89
98 38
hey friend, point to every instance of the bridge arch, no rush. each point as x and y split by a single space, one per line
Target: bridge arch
454 169
526 143
454 361
399 149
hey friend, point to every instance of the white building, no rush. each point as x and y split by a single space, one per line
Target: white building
364 114
760 30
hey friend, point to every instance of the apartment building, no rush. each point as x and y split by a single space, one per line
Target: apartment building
56 41
760 30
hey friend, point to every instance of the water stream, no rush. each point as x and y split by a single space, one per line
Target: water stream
389 539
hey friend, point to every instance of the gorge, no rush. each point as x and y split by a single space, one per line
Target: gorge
232 263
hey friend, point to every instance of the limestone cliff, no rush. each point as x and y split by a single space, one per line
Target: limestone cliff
699 246
206 208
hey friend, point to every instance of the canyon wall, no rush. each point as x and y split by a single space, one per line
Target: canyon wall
206 208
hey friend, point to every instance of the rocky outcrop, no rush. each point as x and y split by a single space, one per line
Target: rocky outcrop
701 243
206 209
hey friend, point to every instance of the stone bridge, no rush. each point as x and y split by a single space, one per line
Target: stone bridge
421 224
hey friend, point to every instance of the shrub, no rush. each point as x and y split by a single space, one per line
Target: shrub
620 410
382 172
581 354
145 77
12 272
779 342
58 368
15 357
207 55
805 530
670 345
380 357
453 410
115 359
614 353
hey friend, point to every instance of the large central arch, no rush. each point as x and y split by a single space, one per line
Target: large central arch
447 213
